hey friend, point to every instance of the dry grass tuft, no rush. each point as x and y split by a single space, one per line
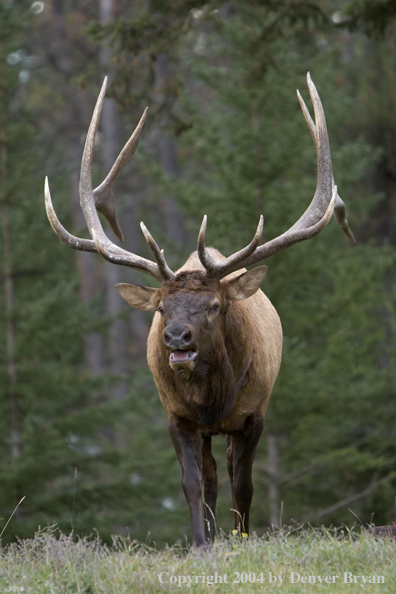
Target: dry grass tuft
54 563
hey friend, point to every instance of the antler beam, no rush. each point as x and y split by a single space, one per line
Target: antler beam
101 199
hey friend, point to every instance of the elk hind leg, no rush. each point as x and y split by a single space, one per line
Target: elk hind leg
209 472
244 445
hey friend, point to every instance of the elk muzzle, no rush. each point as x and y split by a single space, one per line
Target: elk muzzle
178 338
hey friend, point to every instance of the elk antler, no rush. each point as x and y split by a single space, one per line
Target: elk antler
324 203
101 199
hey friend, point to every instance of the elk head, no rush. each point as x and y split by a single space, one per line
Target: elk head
192 307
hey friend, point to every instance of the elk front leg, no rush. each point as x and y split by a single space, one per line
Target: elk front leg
209 468
187 441
241 448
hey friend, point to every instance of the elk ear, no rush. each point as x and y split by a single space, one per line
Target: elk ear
245 285
145 298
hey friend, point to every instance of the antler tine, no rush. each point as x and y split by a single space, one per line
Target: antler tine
220 269
203 253
339 215
103 194
166 272
84 245
307 116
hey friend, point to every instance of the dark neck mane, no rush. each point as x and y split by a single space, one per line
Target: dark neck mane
209 392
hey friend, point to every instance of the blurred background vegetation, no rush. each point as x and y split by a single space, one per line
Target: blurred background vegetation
83 436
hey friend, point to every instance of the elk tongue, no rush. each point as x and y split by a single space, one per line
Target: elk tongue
182 355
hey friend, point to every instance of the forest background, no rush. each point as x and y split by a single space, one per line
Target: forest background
83 436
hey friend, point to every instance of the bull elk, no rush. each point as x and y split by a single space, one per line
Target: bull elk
215 343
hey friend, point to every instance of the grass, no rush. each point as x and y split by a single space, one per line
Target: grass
54 563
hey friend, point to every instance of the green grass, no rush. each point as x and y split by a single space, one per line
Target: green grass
57 564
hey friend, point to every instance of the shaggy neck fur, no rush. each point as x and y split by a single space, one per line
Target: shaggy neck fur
209 391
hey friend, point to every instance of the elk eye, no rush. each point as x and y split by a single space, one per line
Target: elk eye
160 309
215 307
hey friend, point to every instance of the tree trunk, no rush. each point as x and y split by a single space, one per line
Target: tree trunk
88 267
15 434
89 270
167 153
119 357
117 346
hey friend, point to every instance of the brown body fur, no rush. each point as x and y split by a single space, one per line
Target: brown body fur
253 340
226 388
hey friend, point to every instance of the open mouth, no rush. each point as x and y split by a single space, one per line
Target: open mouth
179 356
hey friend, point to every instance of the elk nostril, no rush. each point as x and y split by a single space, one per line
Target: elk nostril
186 335
167 337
